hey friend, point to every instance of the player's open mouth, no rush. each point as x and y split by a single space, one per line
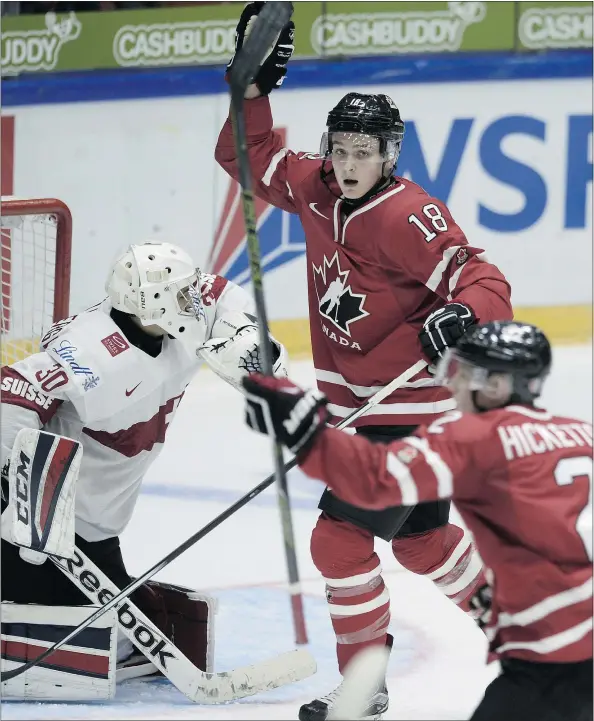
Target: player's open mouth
350 182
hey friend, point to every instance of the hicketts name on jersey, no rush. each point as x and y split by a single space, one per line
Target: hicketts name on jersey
527 439
337 302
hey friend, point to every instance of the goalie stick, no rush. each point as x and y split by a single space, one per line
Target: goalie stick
188 543
198 686
270 21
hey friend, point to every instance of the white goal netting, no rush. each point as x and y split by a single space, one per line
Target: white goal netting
35 272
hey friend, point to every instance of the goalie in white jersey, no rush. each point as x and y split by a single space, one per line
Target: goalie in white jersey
111 378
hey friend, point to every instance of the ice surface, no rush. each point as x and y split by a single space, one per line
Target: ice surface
437 667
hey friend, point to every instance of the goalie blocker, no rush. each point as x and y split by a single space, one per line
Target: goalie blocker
41 605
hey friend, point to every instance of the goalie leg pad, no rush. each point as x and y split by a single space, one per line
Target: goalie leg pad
82 670
198 686
185 617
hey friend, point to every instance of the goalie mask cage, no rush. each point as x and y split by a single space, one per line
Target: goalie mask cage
35 270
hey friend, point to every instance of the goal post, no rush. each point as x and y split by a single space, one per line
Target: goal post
36 244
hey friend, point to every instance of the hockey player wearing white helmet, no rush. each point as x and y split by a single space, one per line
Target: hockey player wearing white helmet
110 379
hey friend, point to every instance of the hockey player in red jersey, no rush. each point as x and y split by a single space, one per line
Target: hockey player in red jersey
521 478
391 278
111 378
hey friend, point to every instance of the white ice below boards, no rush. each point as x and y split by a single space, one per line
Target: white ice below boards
211 459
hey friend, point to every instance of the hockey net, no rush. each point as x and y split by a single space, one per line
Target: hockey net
35 269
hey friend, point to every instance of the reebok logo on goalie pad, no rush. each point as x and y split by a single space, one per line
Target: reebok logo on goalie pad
152 645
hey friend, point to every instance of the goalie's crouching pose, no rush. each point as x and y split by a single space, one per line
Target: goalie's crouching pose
82 421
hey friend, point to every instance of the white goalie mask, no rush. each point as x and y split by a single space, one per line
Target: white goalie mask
158 283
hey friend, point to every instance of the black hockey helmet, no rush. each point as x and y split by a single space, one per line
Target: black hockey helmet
375 115
371 114
518 349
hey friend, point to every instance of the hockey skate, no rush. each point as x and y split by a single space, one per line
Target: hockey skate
372 707
136 666
320 708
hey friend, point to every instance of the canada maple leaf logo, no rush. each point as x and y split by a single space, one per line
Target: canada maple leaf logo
336 300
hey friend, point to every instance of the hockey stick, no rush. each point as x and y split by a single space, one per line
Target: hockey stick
244 500
267 26
386 391
198 686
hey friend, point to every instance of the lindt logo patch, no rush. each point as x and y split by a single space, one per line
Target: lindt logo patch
115 344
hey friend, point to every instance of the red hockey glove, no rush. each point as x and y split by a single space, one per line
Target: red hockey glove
279 408
443 328
274 68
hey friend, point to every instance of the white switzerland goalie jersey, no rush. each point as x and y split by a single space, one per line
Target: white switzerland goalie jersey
93 385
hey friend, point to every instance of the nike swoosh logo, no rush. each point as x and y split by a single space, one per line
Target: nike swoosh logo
129 393
315 210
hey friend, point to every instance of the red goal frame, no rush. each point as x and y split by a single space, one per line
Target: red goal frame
32 207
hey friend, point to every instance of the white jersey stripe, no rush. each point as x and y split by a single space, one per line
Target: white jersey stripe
536 413
435 278
369 206
406 483
383 409
368 391
551 643
454 281
445 481
271 169
547 606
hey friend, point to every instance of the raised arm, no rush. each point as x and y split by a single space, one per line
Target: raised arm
276 170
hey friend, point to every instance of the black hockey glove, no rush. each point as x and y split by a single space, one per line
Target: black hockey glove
274 68
444 328
480 606
4 485
279 408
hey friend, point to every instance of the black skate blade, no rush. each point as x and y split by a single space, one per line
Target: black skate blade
362 677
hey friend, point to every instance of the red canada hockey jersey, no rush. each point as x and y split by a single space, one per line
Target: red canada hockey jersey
522 481
373 277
